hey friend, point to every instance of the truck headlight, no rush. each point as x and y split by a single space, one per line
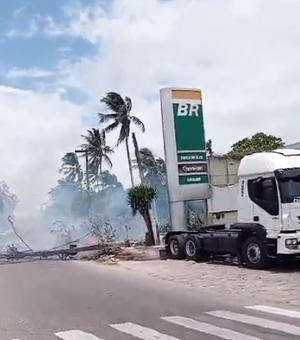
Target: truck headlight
291 243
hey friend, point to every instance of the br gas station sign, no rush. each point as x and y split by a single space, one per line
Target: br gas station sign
184 142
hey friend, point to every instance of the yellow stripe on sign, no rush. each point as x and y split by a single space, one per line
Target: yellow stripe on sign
187 94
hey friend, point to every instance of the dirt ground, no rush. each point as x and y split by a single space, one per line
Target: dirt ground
279 286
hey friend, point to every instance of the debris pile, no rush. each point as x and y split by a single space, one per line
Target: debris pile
104 248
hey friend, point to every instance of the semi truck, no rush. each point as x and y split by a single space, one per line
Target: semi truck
267 226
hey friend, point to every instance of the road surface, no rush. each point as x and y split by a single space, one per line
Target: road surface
48 300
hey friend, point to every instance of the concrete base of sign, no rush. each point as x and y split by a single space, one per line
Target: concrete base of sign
178 217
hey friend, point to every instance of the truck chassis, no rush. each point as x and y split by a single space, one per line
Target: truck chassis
248 243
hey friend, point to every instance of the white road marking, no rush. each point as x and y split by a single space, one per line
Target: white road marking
278 311
255 321
141 332
76 335
207 328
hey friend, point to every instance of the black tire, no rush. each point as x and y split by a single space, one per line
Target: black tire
192 248
175 247
255 253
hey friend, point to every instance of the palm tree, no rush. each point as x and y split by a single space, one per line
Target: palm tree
154 168
109 180
71 168
120 118
98 151
140 198
155 174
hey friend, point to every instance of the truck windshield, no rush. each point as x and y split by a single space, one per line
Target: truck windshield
289 184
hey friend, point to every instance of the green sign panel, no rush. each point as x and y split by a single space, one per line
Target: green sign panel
184 157
189 127
193 179
190 140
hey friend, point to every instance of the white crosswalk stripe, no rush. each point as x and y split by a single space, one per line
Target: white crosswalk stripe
256 321
207 328
141 332
277 311
76 335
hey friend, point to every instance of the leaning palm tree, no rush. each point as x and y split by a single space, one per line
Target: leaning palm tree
154 168
71 168
108 179
98 152
120 117
140 198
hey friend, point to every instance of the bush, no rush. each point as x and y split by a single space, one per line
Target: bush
103 231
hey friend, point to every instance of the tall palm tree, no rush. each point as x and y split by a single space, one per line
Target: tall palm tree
120 117
98 152
71 168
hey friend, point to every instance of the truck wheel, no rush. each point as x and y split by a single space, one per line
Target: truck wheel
192 248
255 253
175 247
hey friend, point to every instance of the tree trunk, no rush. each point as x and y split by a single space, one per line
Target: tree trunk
100 175
154 226
129 161
147 219
138 158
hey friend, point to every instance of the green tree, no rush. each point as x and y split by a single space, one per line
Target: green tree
110 180
8 200
257 143
71 168
139 198
154 168
120 117
63 198
98 153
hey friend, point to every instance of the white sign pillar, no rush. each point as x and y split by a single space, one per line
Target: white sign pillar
185 150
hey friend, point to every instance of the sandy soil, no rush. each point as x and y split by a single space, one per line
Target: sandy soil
270 287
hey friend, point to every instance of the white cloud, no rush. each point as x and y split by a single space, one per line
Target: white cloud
36 129
32 73
18 12
245 59
33 28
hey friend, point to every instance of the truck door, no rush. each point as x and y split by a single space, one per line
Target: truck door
264 196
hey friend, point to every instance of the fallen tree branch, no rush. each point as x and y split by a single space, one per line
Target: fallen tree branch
63 253
10 220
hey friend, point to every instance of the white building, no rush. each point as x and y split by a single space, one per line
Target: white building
292 146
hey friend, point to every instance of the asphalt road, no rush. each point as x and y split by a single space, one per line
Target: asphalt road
79 301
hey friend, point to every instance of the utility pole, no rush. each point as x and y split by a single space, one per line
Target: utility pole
86 167
87 177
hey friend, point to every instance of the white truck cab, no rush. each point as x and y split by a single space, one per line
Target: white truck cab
269 195
266 204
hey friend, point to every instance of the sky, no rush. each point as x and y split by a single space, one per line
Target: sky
59 57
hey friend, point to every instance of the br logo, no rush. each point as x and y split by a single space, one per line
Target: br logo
187 110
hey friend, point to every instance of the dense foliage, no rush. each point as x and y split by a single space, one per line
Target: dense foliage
258 142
